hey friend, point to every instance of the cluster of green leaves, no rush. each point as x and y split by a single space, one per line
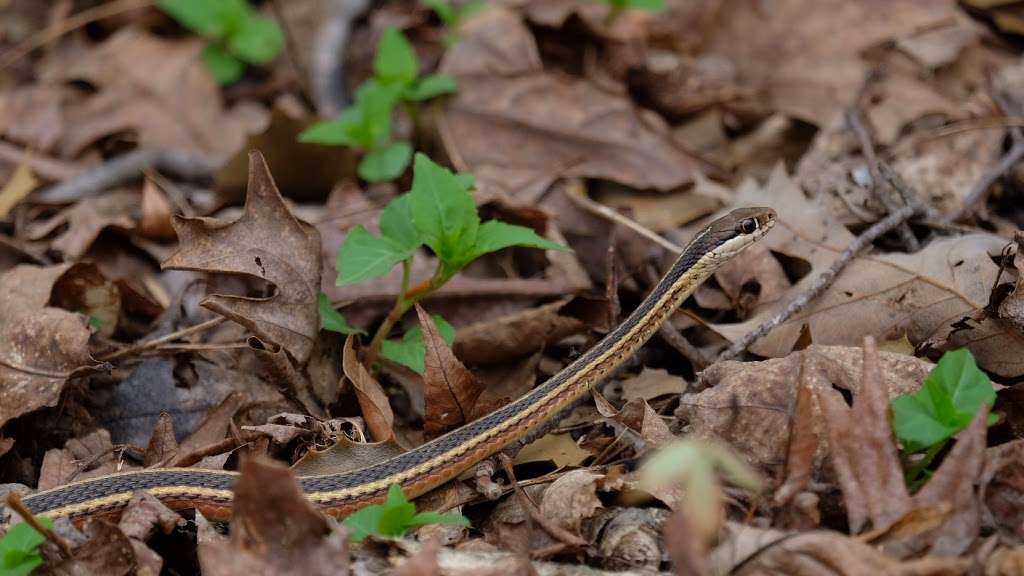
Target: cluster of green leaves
237 35
395 517
367 123
451 16
947 403
19 549
649 5
437 212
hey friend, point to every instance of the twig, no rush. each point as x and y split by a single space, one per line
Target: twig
201 347
880 186
574 191
130 350
557 532
824 280
74 22
127 167
979 192
14 502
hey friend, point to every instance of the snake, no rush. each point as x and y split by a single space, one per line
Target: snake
446 457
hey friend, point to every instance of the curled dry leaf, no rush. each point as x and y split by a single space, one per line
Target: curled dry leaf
518 133
559 449
274 527
1012 307
159 89
571 499
748 404
918 294
86 219
802 442
266 243
155 223
519 334
628 538
863 453
85 457
163 444
450 390
373 401
40 346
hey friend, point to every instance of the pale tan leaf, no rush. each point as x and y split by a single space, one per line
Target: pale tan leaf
21 183
372 400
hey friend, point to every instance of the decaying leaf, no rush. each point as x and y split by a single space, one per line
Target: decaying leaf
267 243
559 449
40 346
571 499
450 390
85 219
518 133
21 183
372 400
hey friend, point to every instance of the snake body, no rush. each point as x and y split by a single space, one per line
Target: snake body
446 457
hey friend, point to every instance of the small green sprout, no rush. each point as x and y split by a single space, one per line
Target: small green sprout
367 123
438 212
618 6
332 320
451 16
395 517
951 396
237 35
19 549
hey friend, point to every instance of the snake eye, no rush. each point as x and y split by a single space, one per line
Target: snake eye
748 226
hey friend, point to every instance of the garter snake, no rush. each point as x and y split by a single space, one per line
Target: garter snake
446 457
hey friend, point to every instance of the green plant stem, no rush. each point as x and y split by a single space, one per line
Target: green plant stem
402 305
915 472
417 129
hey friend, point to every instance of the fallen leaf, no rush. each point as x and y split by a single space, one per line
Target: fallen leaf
373 402
107 551
1011 309
144 515
155 223
518 133
747 404
651 383
90 456
1002 487
41 347
519 334
887 295
863 453
803 441
266 243
345 455
32 115
274 528
157 88
85 220
559 449
21 183
571 499
450 390
684 548
163 445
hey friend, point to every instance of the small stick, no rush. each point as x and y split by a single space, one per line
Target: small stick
14 502
824 280
979 192
130 350
127 167
575 193
557 532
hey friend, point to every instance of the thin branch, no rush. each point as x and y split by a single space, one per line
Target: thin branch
567 538
126 168
156 342
825 280
14 502
576 194
979 192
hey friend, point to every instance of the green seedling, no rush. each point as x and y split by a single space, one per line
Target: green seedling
618 6
366 125
395 517
19 549
451 17
236 34
947 403
439 213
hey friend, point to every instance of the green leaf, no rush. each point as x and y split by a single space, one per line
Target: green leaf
210 18
410 350
443 210
225 67
376 102
364 256
18 549
395 62
649 5
951 396
345 130
258 40
332 320
396 223
394 518
385 163
494 235
431 86
444 10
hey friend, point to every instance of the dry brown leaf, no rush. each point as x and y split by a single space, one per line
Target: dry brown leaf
651 383
1011 309
163 445
345 455
155 223
684 548
803 441
40 346
504 383
863 453
275 528
21 183
373 401
812 71
450 390
215 425
160 89
266 243
32 115
559 449
109 551
498 340
571 499
519 133
144 515
747 404
85 220
1002 487
90 456
887 295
